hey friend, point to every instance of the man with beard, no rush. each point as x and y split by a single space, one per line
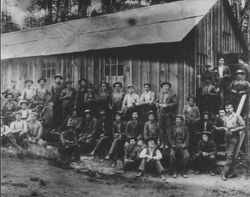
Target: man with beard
179 142
56 90
151 128
134 128
233 125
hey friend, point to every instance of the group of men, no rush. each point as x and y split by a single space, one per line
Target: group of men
140 132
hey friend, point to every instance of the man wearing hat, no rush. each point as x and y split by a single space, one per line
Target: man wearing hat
9 107
219 128
104 135
205 158
167 103
151 129
42 93
29 92
245 67
134 127
56 90
18 129
208 74
34 129
179 142
191 115
25 111
151 157
88 131
12 90
238 87
6 136
147 100
68 96
223 77
233 125
205 124
90 99
116 97
103 97
82 89
131 100
118 129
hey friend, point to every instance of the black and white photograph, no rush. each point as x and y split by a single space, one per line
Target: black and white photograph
125 98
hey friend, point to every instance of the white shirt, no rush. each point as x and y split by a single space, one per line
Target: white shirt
5 130
220 70
148 97
130 100
143 153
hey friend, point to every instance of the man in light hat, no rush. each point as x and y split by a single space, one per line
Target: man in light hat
29 92
130 102
42 93
68 96
8 109
88 132
205 158
56 90
13 90
191 115
233 125
151 128
104 135
116 98
167 103
179 143
238 87
18 129
34 129
25 111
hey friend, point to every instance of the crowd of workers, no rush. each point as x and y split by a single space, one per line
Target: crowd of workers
135 132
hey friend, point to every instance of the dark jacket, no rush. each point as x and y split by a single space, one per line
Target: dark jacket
223 83
134 129
208 147
104 128
89 127
179 135
116 129
209 126
170 101
151 130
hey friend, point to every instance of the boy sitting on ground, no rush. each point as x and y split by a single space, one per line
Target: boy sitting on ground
151 157
35 129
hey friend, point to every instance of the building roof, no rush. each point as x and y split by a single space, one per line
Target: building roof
163 23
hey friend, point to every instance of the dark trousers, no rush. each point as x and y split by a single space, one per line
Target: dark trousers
192 129
8 139
117 148
205 162
69 151
231 150
151 165
20 139
164 122
57 114
87 143
102 145
181 154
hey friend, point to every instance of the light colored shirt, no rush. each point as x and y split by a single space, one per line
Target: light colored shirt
148 97
25 113
5 130
28 94
18 126
130 100
234 121
220 70
35 129
149 152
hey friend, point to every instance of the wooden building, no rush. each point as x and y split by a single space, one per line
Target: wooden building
166 42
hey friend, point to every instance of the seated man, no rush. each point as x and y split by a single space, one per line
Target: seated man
206 124
18 129
69 149
87 137
132 150
151 157
104 135
206 156
151 129
117 148
219 127
25 111
8 109
179 142
35 129
6 136
134 127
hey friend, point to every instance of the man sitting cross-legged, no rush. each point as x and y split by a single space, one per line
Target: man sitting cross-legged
206 156
151 157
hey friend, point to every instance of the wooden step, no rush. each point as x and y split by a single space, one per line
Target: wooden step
221 155
221 147
220 163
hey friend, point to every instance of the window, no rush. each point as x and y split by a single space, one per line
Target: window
48 70
226 41
202 61
113 67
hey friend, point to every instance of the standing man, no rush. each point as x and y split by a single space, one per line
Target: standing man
42 93
82 89
29 92
167 103
223 76
68 96
103 97
13 90
56 90
233 124
34 129
191 114
151 128
130 102
245 67
179 142
116 98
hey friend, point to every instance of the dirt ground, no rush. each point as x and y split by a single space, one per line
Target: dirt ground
36 177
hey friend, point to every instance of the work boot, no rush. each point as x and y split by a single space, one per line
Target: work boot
174 175
233 175
139 174
107 157
223 177
92 153
212 173
185 175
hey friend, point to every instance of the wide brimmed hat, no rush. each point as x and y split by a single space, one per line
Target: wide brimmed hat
206 113
147 83
151 139
87 111
192 96
6 95
69 82
23 101
117 83
130 85
119 113
150 112
82 79
41 79
104 83
28 80
208 133
240 71
58 76
179 116
166 83
102 112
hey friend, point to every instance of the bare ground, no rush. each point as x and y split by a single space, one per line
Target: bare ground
25 177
